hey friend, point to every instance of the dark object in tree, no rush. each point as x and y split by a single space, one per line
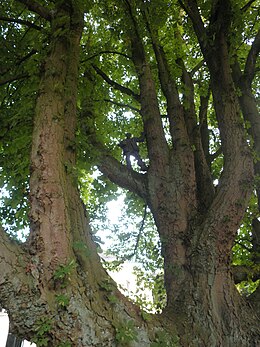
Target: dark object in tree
130 147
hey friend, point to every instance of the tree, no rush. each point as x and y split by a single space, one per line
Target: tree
186 70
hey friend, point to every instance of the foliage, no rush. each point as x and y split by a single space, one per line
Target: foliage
133 238
165 340
64 344
62 300
20 66
126 332
63 272
43 327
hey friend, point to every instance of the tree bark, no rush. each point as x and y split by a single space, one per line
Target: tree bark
56 280
54 288
196 243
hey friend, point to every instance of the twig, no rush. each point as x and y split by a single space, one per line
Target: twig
105 52
140 231
122 105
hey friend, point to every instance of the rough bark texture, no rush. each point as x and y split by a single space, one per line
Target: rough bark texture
56 281
197 225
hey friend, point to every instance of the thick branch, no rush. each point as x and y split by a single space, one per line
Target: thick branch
253 54
256 241
188 96
245 273
246 6
235 185
248 104
203 125
37 8
125 178
191 8
169 87
205 188
20 21
116 85
10 253
156 143
13 78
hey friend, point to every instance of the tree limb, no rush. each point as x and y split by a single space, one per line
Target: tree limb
203 125
205 188
122 105
246 6
105 52
20 21
18 76
157 146
116 85
131 255
213 156
140 230
243 246
248 104
13 78
168 85
10 252
249 72
125 178
191 8
237 175
34 6
245 273
256 241
197 67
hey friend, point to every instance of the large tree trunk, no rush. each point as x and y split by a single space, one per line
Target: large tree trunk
197 225
54 287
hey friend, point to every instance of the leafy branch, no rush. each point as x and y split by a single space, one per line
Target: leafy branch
105 52
116 85
20 21
246 6
123 105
